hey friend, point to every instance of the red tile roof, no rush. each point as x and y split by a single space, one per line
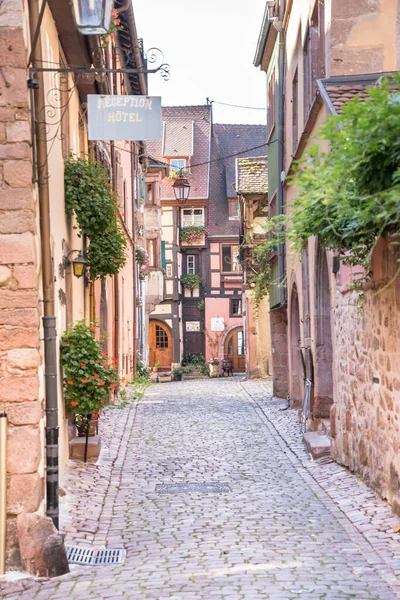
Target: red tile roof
228 140
185 126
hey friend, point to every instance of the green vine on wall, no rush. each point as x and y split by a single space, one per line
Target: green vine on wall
350 197
88 194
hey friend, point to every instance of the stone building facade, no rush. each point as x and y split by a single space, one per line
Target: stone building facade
22 351
326 54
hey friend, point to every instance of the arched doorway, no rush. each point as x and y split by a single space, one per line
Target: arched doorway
323 392
160 344
296 373
234 349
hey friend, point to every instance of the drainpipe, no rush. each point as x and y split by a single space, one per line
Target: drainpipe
281 116
3 491
49 319
134 275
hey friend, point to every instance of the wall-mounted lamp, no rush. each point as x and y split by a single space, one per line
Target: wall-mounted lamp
78 264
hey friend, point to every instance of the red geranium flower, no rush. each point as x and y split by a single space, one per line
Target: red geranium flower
82 364
74 404
70 382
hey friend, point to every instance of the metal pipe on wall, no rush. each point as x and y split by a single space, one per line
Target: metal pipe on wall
3 491
49 319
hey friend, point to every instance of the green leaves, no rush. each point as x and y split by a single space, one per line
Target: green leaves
190 281
88 194
89 375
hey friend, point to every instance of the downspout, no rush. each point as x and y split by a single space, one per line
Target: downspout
134 274
281 116
3 491
49 319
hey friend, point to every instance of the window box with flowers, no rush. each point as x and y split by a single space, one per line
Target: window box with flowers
90 376
115 26
190 281
193 235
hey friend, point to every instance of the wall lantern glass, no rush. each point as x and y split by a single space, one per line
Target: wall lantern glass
181 189
78 265
92 17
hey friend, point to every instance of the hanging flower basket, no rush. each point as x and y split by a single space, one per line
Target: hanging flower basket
142 258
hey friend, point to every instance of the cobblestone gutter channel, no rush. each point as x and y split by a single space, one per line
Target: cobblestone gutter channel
275 527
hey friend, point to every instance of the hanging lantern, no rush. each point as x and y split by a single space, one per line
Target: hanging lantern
92 17
181 189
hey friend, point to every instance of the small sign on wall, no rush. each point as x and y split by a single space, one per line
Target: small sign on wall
217 324
192 325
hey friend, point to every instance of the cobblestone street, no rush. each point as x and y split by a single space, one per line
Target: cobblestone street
286 528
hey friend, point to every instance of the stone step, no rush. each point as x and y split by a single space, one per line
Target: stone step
318 444
326 427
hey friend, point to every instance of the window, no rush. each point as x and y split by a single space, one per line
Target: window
295 111
169 270
176 164
151 251
191 264
240 343
192 216
230 259
271 105
150 193
235 307
161 337
234 209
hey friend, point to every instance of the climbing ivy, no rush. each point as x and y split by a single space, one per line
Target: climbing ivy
350 196
88 194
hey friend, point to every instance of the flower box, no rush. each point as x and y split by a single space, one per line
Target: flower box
164 379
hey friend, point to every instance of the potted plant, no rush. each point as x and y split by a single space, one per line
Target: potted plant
90 376
164 377
190 281
178 372
155 368
213 365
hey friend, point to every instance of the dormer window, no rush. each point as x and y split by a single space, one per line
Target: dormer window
178 164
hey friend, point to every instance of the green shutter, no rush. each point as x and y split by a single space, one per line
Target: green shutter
274 289
163 254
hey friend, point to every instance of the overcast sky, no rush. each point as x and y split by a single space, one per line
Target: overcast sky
210 46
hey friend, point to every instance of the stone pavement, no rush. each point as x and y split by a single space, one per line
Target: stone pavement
287 527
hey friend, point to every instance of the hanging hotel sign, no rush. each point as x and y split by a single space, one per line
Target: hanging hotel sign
124 117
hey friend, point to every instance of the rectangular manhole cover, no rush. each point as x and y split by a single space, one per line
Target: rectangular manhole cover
192 488
87 556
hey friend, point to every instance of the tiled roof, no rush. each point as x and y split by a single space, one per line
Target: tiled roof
176 119
336 91
178 137
252 175
228 140
339 95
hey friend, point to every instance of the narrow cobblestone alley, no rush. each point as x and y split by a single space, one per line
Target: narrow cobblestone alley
286 527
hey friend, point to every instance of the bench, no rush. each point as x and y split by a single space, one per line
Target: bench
227 367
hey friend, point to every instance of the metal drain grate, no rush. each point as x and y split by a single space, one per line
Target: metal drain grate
79 556
87 556
108 557
192 488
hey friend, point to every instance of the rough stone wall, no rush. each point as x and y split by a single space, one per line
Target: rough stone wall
365 421
363 36
279 351
19 295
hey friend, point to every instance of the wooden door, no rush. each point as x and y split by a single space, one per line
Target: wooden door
160 345
234 349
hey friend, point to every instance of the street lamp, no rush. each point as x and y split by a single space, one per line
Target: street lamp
181 189
92 17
